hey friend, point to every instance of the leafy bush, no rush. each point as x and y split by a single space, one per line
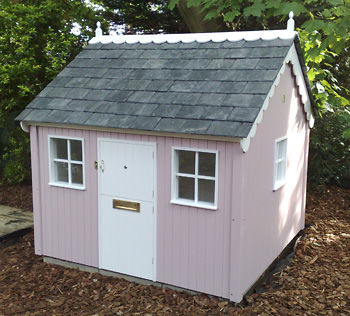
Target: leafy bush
329 158
17 157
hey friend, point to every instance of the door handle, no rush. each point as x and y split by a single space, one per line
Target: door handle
102 166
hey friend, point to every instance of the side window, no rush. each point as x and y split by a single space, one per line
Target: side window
67 162
280 163
194 180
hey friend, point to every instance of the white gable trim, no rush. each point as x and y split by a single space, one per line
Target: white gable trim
292 57
195 37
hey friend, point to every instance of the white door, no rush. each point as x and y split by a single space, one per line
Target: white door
126 207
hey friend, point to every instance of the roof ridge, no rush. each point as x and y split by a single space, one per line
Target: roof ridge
195 37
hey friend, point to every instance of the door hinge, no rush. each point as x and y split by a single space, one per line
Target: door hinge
152 209
153 155
152 260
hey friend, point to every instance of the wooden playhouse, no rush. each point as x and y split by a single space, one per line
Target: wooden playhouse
179 159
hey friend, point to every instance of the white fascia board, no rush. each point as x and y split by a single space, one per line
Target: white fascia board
194 37
292 57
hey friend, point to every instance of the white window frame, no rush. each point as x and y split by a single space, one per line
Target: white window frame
52 160
175 174
280 162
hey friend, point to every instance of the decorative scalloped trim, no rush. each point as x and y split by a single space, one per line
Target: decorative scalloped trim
194 37
292 57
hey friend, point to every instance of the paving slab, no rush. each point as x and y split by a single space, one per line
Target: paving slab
14 219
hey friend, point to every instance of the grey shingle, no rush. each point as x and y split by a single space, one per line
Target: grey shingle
39 103
79 105
195 126
187 98
219 113
78 118
268 52
141 96
156 85
198 64
220 64
77 93
244 114
58 82
37 115
145 123
222 128
250 63
182 86
256 87
202 74
98 119
166 110
118 96
170 125
206 86
187 112
57 116
137 84
120 121
231 87
25 113
58 104
269 63
214 99
98 95
244 100
52 92
76 82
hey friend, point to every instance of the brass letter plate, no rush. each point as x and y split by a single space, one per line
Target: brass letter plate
126 205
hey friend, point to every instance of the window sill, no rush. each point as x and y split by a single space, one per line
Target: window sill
67 186
207 206
277 186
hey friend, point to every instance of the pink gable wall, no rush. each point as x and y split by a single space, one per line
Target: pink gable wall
271 219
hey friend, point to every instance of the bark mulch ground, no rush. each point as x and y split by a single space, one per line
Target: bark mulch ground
316 283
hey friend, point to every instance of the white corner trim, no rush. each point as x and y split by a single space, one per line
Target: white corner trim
194 37
292 57
24 126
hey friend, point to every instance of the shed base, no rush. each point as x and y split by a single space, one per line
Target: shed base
85 268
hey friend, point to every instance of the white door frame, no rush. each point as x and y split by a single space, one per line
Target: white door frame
154 145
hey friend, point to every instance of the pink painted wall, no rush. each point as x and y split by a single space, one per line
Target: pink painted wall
271 219
193 244
65 220
220 252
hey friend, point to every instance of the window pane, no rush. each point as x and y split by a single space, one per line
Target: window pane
60 146
206 190
186 161
76 150
206 164
61 171
186 188
77 173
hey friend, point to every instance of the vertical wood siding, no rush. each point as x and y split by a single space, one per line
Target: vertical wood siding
193 244
271 219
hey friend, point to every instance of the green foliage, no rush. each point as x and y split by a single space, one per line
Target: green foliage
36 43
142 16
329 158
17 157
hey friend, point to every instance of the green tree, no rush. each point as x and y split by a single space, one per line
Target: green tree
36 42
142 16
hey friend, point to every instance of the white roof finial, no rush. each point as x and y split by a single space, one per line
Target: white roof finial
98 31
290 23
